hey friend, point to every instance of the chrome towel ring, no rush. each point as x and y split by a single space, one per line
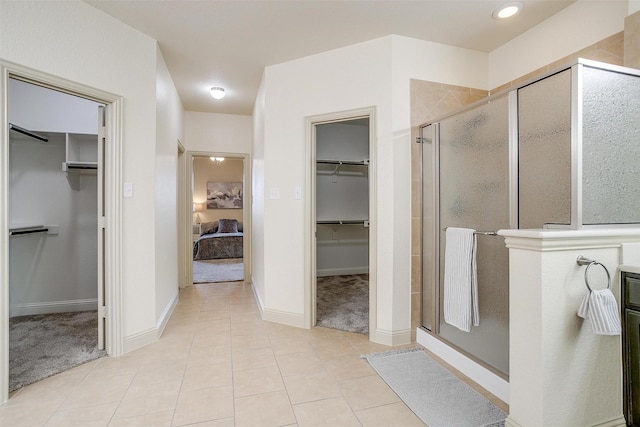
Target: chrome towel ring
589 263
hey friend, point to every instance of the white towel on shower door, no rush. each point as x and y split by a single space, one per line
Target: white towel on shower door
600 307
460 279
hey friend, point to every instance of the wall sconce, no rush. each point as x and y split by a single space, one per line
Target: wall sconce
217 92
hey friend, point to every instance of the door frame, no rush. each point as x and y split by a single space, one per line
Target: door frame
310 267
181 197
114 337
187 225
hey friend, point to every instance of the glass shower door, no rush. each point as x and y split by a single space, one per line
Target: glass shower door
473 192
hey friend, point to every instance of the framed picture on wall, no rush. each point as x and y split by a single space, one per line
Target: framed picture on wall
224 195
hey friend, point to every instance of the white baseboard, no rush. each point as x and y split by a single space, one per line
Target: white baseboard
139 340
276 316
284 318
258 299
53 307
166 313
342 271
391 338
509 422
616 422
496 385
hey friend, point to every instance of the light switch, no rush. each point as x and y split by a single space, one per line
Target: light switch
274 193
127 190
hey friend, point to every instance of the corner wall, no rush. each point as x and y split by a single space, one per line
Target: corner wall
72 40
374 73
169 129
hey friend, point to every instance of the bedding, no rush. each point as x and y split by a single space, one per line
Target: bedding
219 240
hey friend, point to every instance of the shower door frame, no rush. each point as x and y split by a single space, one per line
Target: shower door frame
435 272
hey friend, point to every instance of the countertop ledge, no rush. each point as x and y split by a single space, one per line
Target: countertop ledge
569 234
629 268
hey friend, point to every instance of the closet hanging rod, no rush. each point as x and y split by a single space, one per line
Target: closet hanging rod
27 132
364 222
483 233
344 162
20 231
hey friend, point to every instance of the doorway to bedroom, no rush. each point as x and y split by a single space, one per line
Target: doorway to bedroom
218 220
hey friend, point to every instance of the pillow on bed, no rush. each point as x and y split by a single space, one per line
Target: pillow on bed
228 226
208 227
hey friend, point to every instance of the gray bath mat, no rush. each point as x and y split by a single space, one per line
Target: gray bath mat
433 393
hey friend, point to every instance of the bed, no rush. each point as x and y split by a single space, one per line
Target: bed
219 240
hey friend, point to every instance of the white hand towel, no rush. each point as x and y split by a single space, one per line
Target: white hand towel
460 279
600 307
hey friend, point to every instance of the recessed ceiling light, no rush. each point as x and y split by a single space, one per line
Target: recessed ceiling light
217 92
507 10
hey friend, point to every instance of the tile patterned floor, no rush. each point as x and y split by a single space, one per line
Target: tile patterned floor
218 364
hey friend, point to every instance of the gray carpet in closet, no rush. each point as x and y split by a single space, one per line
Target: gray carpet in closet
46 344
343 303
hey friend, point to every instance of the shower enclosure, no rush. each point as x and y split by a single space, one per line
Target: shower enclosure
560 151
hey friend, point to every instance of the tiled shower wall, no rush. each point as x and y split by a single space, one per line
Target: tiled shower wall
430 100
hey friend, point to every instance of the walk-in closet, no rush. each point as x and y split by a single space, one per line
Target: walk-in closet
54 245
342 224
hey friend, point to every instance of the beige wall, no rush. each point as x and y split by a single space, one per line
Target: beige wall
204 170
632 41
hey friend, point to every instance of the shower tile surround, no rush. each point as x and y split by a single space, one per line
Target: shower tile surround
430 100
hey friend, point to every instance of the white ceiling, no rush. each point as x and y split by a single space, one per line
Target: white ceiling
229 42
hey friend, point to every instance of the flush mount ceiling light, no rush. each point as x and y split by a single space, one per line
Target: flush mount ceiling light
217 92
507 10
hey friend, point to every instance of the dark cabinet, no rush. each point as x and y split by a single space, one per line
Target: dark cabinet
631 347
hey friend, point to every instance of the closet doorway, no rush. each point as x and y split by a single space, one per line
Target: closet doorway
219 217
343 286
55 245
27 214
